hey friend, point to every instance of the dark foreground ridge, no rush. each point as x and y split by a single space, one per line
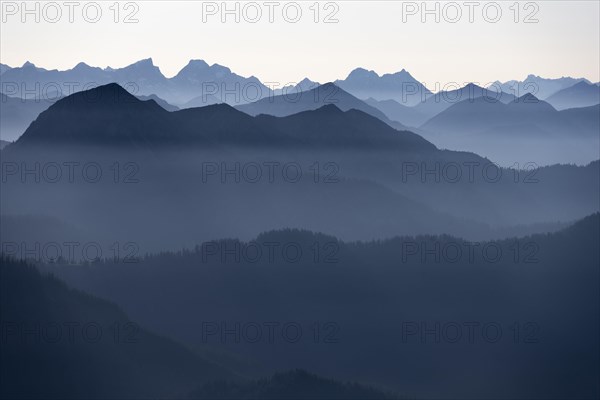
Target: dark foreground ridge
110 116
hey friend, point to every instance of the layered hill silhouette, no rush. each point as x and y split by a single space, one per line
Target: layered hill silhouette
4 68
398 112
124 361
552 284
130 363
163 103
109 115
542 88
438 102
16 114
290 385
524 117
327 94
302 86
111 119
197 80
399 86
582 94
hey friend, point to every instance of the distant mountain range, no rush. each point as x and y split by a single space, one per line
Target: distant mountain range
397 99
525 116
16 114
542 88
204 84
108 120
302 86
3 68
160 102
216 81
284 105
526 130
436 103
400 86
582 94
398 112
141 78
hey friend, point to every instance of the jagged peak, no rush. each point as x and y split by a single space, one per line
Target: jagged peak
362 72
145 61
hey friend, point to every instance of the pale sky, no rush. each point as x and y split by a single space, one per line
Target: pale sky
565 40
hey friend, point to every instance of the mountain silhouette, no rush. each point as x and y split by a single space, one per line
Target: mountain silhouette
163 103
294 384
372 281
198 79
141 78
201 101
525 116
398 112
16 114
438 102
582 94
136 363
542 88
4 68
329 93
399 86
109 115
331 126
302 86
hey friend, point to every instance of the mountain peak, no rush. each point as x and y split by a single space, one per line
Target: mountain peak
532 103
305 81
109 94
402 73
362 73
28 65
582 84
144 62
193 67
329 109
220 68
526 98
81 65
197 64
472 85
